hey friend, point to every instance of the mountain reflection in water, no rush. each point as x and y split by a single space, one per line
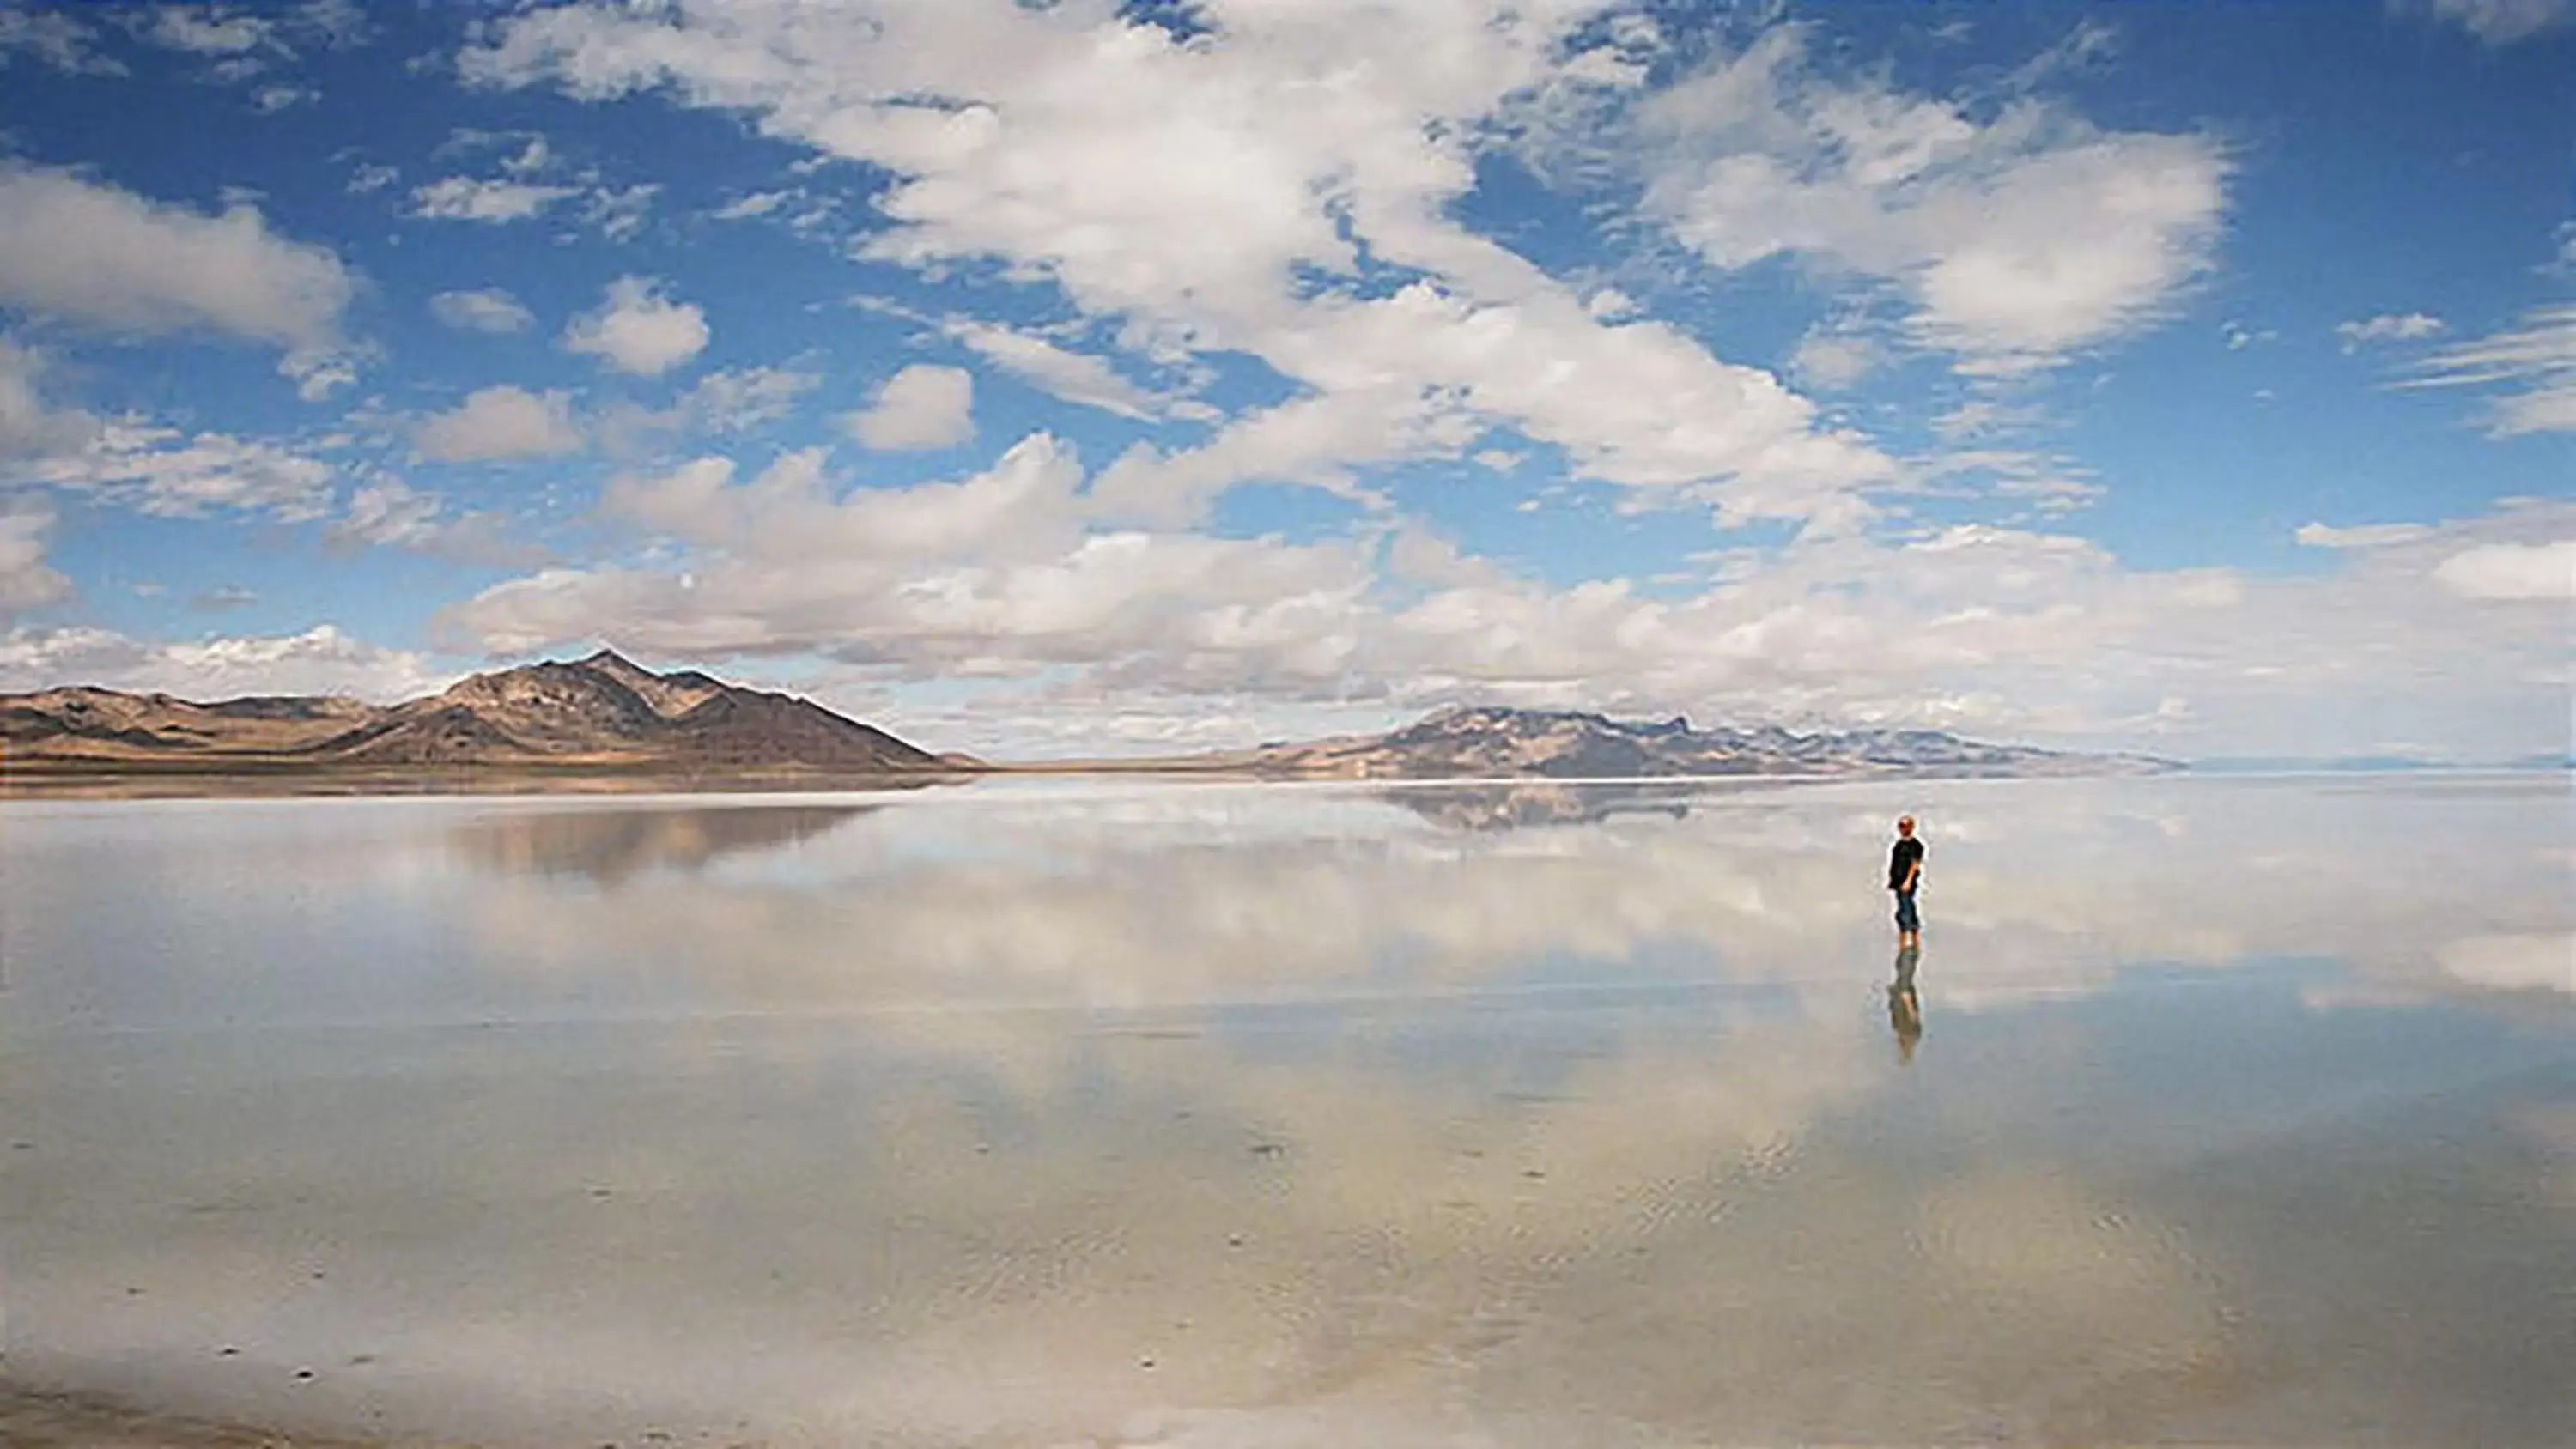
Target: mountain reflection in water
1513 806
609 845
1204 1115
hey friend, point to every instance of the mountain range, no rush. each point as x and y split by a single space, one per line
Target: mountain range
601 712
607 713
1493 742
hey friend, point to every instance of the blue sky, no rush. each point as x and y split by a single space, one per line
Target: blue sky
1090 378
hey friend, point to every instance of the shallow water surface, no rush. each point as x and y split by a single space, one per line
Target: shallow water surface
1046 1113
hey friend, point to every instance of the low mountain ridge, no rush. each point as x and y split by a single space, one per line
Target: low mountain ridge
82 721
1498 742
603 711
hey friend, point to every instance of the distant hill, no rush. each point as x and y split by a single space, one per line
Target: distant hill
1491 742
603 711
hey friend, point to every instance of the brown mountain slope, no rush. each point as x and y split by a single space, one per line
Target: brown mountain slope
604 711
741 728
423 732
668 695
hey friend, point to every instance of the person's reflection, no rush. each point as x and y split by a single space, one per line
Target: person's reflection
1904 1008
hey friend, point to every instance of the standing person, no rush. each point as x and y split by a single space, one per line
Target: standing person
1904 872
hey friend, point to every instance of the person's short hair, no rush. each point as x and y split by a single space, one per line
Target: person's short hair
1904 820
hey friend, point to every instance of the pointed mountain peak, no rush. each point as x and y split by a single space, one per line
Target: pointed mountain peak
670 695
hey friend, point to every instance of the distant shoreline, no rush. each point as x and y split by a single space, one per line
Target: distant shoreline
66 778
59 779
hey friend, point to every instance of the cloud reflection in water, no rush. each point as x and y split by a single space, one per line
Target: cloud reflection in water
1282 1116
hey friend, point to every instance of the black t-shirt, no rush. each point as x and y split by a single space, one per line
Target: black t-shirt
1907 852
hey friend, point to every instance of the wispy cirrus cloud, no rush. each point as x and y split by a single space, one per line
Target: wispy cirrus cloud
55 38
530 182
386 512
2501 22
1076 377
488 309
2361 535
492 199
733 402
2532 367
165 472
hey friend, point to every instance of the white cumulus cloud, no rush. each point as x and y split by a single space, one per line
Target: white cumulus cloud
29 423
26 580
923 406
638 330
100 256
1021 573
501 422
1010 130
2513 571
2016 237
206 30
2538 962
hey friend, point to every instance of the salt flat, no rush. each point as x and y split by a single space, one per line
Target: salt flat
1048 1112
